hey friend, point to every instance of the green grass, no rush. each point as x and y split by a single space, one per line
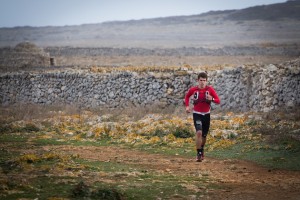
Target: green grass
14 141
276 156
135 182
42 188
129 181
152 186
14 138
117 180
280 155
283 154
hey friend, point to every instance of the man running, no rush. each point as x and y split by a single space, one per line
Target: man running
202 96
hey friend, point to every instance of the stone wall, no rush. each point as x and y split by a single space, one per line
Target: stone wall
260 88
290 50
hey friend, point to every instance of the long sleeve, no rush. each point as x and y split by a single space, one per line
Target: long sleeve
187 96
215 96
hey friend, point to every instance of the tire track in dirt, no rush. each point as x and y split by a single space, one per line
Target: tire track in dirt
239 179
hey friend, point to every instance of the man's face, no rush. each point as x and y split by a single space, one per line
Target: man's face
202 82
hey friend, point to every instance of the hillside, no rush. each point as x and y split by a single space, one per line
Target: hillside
277 23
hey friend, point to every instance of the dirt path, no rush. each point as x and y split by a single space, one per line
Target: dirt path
240 179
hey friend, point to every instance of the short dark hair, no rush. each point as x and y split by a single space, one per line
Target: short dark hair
202 75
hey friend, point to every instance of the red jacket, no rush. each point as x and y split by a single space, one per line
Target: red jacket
201 105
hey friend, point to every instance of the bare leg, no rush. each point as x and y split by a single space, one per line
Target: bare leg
199 139
203 141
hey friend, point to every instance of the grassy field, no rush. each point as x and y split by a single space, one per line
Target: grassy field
100 155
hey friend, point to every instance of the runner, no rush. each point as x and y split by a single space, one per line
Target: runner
202 96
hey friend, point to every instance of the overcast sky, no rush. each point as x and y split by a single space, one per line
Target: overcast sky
75 12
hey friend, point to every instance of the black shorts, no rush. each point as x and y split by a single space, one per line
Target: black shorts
202 122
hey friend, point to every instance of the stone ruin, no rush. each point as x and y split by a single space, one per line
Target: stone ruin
23 55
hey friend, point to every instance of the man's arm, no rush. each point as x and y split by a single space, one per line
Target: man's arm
187 100
215 97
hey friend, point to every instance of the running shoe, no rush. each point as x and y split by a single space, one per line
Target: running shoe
199 157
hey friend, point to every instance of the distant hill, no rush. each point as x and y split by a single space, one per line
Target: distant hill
288 10
267 24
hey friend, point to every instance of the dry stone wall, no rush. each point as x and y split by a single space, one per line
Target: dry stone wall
263 88
291 50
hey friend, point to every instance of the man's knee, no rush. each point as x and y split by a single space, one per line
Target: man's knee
199 134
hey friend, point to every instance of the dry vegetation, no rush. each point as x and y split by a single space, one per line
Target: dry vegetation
123 155
195 61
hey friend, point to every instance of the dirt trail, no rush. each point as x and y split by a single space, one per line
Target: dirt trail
239 179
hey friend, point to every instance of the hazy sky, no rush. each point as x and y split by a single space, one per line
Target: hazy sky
75 12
